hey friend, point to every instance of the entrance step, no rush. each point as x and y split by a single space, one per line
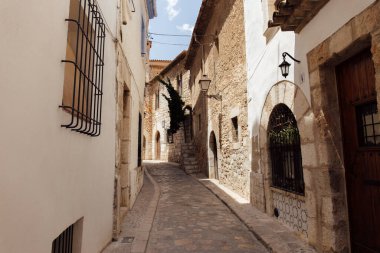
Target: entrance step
189 162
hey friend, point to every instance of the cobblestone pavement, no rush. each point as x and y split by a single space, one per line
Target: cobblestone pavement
189 218
138 222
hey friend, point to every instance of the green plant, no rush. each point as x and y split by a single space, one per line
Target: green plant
288 133
175 104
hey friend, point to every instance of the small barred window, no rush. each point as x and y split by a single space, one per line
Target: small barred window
285 150
84 63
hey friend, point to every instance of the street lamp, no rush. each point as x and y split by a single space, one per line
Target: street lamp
204 83
284 66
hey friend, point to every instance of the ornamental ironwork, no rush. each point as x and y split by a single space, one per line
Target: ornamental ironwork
285 151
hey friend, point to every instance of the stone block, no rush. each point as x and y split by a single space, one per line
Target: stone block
301 105
314 78
290 91
306 127
366 22
309 155
318 55
341 39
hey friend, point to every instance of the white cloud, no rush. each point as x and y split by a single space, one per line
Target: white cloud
186 28
170 8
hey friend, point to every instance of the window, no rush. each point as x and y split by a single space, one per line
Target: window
235 129
157 99
179 84
285 150
70 240
84 63
64 242
368 124
139 149
143 36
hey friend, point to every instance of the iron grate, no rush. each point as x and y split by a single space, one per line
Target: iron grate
86 34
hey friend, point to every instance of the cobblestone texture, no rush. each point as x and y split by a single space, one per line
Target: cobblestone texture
138 222
190 218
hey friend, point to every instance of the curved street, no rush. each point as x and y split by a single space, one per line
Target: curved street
189 218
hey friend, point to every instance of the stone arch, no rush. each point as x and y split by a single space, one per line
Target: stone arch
158 145
270 199
213 163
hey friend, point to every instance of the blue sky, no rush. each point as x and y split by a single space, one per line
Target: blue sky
174 17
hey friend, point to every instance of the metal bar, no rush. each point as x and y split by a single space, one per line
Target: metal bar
89 65
101 84
87 58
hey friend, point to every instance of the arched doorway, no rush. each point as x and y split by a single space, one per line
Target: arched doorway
213 157
187 124
158 146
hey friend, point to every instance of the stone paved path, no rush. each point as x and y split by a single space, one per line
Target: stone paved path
189 218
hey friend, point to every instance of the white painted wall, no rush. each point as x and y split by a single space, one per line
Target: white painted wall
330 18
50 176
262 60
137 64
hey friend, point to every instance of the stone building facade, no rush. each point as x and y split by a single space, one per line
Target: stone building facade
159 145
220 124
156 66
326 93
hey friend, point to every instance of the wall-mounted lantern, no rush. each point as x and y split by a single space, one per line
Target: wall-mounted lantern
204 83
284 66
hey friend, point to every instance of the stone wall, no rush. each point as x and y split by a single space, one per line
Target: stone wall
155 118
225 64
292 208
328 181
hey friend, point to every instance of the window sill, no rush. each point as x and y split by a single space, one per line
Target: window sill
290 194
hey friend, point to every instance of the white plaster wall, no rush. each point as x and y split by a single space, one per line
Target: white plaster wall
137 65
330 18
262 60
50 176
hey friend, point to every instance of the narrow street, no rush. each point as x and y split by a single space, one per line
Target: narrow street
190 218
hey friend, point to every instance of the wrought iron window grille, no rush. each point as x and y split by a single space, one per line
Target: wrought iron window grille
285 151
87 28
64 242
368 119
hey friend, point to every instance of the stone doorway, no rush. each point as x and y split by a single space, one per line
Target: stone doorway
213 157
158 146
188 124
360 122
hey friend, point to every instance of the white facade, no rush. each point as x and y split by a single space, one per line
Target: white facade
52 177
134 49
264 57
313 34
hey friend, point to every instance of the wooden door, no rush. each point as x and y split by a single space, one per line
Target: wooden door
188 125
360 120
158 146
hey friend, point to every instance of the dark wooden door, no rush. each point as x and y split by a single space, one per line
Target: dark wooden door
360 120
188 127
158 146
